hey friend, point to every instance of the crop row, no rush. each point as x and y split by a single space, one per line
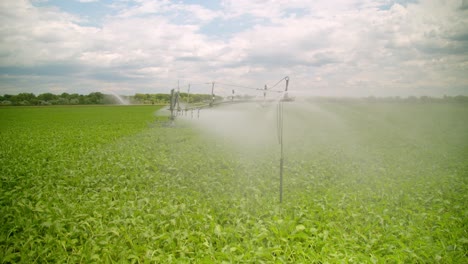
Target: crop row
363 183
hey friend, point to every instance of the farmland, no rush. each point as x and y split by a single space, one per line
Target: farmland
363 183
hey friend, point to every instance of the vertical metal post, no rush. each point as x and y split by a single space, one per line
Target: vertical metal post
172 102
177 101
212 94
286 89
280 138
177 98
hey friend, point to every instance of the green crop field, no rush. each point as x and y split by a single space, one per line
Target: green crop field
363 183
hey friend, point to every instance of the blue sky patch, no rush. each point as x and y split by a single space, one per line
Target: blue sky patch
210 4
390 3
93 13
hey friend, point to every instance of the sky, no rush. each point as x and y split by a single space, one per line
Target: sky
326 48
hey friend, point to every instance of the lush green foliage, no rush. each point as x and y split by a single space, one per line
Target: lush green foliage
24 99
29 99
53 99
166 98
364 183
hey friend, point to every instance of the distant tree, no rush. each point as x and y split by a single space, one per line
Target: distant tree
64 98
74 99
162 98
25 96
425 99
81 99
139 97
24 99
100 98
47 97
460 99
8 97
94 98
412 98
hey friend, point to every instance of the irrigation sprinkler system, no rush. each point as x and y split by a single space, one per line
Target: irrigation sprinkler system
176 110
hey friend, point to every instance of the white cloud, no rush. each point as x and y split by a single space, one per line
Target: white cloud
336 48
34 36
356 49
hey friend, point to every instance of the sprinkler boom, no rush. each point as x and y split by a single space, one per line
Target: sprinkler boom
175 106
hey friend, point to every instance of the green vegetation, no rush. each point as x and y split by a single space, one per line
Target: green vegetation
95 98
166 98
29 99
364 183
53 99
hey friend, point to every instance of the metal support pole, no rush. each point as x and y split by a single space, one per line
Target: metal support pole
212 94
281 179
177 101
171 107
188 100
286 89
280 139
188 94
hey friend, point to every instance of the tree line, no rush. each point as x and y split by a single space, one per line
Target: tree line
98 98
52 99
163 98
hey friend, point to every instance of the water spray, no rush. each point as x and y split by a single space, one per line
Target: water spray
266 89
